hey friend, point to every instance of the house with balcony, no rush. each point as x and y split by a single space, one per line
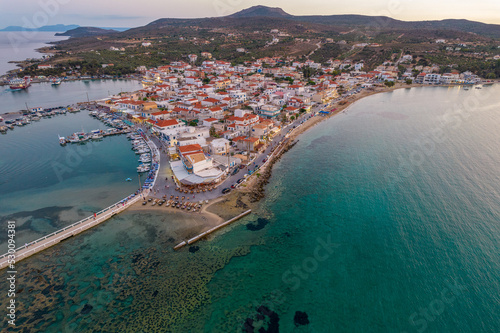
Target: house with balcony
432 78
246 143
269 111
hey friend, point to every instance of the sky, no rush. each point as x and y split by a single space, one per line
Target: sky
132 13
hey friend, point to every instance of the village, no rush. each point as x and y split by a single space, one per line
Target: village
212 119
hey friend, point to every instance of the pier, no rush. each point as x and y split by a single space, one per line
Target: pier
74 229
209 231
89 136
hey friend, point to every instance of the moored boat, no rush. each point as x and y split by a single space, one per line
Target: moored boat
20 83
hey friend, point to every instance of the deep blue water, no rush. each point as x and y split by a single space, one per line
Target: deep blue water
385 218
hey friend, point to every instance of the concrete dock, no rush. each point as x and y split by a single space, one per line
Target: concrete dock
208 232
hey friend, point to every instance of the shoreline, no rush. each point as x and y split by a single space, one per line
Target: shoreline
248 196
37 81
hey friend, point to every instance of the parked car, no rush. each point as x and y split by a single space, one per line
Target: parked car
235 171
240 181
226 190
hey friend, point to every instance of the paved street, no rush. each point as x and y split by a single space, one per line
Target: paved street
165 185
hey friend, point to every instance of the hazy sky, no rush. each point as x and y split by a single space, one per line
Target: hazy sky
130 13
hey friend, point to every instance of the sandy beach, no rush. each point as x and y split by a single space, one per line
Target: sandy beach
184 224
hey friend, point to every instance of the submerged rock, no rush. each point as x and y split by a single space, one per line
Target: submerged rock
264 318
194 249
257 225
86 309
301 318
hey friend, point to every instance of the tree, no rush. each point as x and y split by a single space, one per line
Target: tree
409 81
389 84
283 118
212 131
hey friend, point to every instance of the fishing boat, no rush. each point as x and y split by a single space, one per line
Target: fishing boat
56 81
3 129
142 168
96 135
20 83
62 141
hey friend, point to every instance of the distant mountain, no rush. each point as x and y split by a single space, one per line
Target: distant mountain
261 11
50 28
257 18
86 32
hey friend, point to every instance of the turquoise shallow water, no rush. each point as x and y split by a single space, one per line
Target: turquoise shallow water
385 218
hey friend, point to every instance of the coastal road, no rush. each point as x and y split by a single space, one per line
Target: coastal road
165 185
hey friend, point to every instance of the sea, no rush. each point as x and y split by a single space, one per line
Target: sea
384 218
20 45
67 93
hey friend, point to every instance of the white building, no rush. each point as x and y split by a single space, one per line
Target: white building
219 146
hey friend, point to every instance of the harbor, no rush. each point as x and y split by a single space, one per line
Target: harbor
68 92
58 236
10 121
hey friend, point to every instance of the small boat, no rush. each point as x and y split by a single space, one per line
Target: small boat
128 179
62 140
96 136
56 81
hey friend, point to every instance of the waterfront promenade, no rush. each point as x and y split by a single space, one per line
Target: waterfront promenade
54 238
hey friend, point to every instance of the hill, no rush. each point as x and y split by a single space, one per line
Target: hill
86 32
260 31
262 11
